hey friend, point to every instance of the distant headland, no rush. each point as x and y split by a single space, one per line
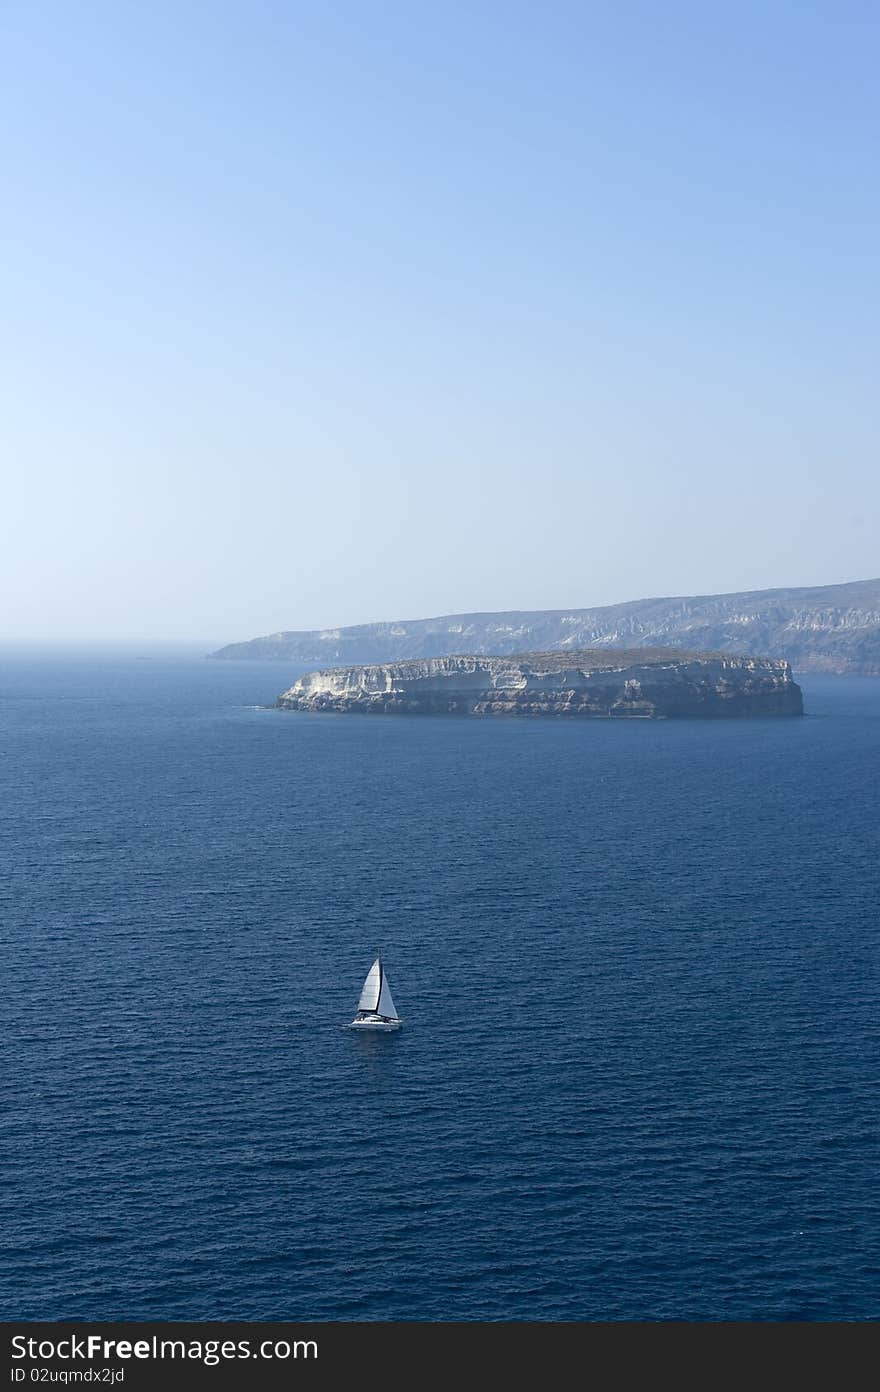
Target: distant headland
636 684
830 628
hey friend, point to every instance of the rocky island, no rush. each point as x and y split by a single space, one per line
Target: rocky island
588 683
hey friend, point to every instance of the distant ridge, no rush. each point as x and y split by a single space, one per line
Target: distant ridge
827 628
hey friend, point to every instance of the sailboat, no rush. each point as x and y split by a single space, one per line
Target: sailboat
376 1010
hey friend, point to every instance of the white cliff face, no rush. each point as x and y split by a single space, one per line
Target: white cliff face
646 684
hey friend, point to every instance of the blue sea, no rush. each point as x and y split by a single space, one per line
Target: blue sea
639 1077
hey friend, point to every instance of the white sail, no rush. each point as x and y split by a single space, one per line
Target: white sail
386 1005
370 994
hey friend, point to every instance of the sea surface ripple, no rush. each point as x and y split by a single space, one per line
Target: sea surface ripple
637 962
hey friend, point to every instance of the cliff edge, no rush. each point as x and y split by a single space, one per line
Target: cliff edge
641 683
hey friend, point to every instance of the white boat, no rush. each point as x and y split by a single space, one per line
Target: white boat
376 1010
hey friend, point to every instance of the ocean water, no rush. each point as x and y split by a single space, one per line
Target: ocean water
638 966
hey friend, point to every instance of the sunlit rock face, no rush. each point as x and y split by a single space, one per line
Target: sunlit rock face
641 683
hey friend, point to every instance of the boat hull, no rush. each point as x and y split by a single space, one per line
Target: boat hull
382 1026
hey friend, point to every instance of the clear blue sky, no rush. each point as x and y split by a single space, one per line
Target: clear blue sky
322 313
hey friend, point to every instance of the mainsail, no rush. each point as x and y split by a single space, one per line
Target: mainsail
372 986
376 996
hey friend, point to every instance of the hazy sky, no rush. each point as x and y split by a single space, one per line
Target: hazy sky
323 313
